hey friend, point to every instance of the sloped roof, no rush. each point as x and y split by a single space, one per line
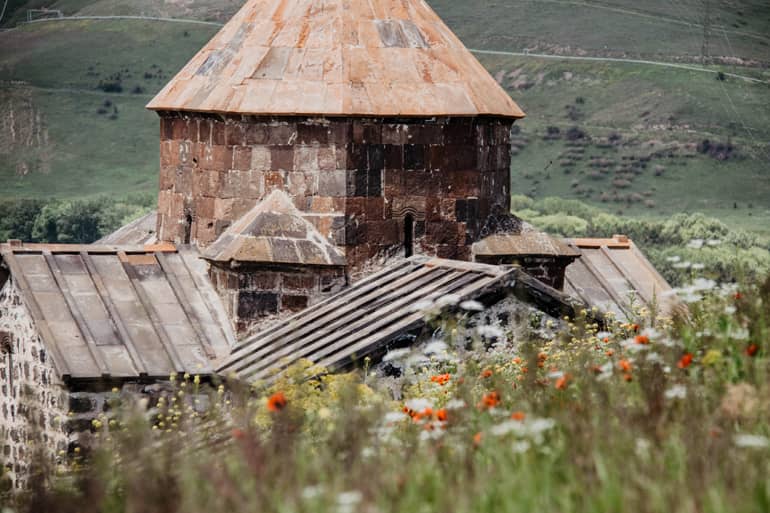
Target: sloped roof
140 231
613 275
336 58
528 242
274 231
364 318
121 312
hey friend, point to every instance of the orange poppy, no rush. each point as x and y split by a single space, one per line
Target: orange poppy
752 349
685 361
562 382
517 360
441 415
610 352
491 399
624 365
487 373
628 377
276 402
635 327
738 296
477 438
518 415
642 339
441 379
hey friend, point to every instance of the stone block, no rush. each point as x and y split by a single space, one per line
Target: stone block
256 134
414 156
282 158
366 132
204 207
294 302
217 133
180 129
341 132
252 305
394 134
223 208
305 158
313 132
234 134
166 128
332 183
357 157
204 131
282 133
305 282
242 158
394 156
375 156
327 161
217 158
261 158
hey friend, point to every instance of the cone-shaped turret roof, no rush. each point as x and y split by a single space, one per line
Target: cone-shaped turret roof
336 58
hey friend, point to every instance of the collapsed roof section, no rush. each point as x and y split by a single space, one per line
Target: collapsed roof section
274 232
336 58
363 319
121 312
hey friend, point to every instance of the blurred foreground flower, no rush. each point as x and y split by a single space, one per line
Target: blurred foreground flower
276 402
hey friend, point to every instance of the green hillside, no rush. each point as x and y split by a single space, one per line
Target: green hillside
629 137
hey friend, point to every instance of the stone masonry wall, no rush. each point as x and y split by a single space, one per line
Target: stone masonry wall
33 402
358 179
252 293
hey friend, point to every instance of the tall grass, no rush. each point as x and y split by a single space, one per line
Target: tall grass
583 415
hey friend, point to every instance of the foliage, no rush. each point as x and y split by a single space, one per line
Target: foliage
677 246
585 415
68 221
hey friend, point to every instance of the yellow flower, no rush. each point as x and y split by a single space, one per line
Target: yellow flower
197 380
712 357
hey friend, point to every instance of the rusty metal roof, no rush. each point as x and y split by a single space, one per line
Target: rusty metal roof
121 312
274 231
378 310
140 231
528 242
615 276
336 58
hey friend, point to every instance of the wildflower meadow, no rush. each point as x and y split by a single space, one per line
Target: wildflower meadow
585 414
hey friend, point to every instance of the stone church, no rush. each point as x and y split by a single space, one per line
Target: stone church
324 167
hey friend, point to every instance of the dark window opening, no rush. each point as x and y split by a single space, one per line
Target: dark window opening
187 228
408 235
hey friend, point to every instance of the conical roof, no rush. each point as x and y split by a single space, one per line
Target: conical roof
336 58
274 232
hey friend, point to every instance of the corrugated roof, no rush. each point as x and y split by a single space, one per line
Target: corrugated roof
377 310
140 231
121 312
274 231
336 58
613 275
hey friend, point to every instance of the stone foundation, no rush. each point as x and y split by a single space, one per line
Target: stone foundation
431 182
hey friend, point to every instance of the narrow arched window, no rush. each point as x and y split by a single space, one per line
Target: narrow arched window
408 235
187 228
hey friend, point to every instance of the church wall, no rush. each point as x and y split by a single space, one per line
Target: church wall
252 293
358 179
33 401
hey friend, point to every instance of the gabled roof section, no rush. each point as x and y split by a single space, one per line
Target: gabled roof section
274 231
121 312
363 319
140 231
336 58
615 276
528 242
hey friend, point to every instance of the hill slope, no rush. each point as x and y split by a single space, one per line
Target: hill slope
639 138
